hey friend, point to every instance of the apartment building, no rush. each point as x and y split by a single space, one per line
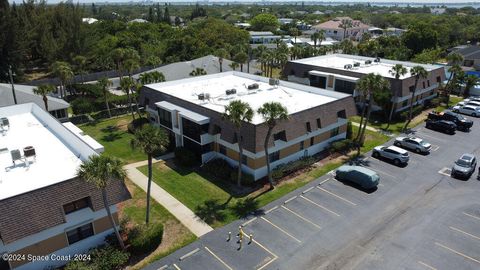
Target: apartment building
334 28
191 111
45 208
340 73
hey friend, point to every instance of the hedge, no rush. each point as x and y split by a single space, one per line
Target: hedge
341 146
145 238
283 170
221 169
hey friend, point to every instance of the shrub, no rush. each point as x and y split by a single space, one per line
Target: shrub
341 146
136 124
109 258
82 105
415 111
349 130
218 168
185 157
292 166
143 239
91 90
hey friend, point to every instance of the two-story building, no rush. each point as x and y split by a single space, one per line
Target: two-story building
191 111
343 27
45 208
340 73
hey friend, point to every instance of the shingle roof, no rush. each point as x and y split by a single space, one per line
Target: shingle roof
24 94
471 52
335 24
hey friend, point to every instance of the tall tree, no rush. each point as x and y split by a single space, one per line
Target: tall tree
470 82
241 58
455 60
294 32
221 54
272 113
198 72
397 71
418 72
318 37
127 84
369 85
64 72
233 65
166 15
345 24
105 84
151 140
80 65
238 112
101 171
43 90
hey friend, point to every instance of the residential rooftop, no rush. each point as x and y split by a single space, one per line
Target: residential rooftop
59 152
295 97
339 61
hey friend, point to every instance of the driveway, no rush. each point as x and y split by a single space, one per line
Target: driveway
418 218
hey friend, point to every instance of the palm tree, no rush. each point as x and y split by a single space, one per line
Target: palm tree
237 112
101 171
455 59
295 33
127 84
271 112
318 37
198 72
470 82
221 54
64 72
241 58
151 140
105 84
369 85
345 25
80 65
233 65
43 90
151 77
397 71
118 56
418 72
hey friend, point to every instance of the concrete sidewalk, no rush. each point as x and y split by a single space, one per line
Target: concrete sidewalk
180 211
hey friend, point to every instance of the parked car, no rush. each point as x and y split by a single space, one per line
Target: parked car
469 102
413 143
393 153
472 98
464 166
467 109
441 125
359 175
461 122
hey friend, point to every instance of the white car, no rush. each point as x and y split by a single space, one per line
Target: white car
413 143
469 102
396 154
472 98
468 110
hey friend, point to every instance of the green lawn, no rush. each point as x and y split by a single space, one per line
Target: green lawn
113 135
132 214
212 200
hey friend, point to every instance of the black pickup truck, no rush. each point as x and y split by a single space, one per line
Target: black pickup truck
461 122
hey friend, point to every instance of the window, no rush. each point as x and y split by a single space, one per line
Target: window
319 123
274 156
334 132
292 72
244 160
165 117
223 150
309 128
217 129
280 136
439 79
80 233
342 114
411 88
302 145
423 85
344 86
312 141
428 83
76 205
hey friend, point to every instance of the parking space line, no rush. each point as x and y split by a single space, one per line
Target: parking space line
189 254
319 205
421 134
176 267
307 190
289 200
266 249
464 232
337 196
443 171
282 230
249 221
470 215
457 252
323 182
218 258
271 209
163 267
301 217
427 266
434 147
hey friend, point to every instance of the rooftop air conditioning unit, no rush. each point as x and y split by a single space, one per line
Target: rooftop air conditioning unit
368 62
348 66
252 86
201 96
273 81
377 60
207 96
356 64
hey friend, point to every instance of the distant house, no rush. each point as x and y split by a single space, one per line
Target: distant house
89 20
318 12
471 56
334 30
284 21
392 31
395 12
263 37
138 21
243 25
24 94
438 11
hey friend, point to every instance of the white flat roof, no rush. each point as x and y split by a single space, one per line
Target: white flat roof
198 118
295 97
338 61
59 152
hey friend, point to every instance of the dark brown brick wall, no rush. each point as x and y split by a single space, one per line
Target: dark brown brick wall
254 135
35 211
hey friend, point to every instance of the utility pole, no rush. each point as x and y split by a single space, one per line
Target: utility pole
13 86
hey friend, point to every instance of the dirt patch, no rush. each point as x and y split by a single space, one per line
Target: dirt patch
123 124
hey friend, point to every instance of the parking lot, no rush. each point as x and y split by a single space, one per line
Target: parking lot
418 218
